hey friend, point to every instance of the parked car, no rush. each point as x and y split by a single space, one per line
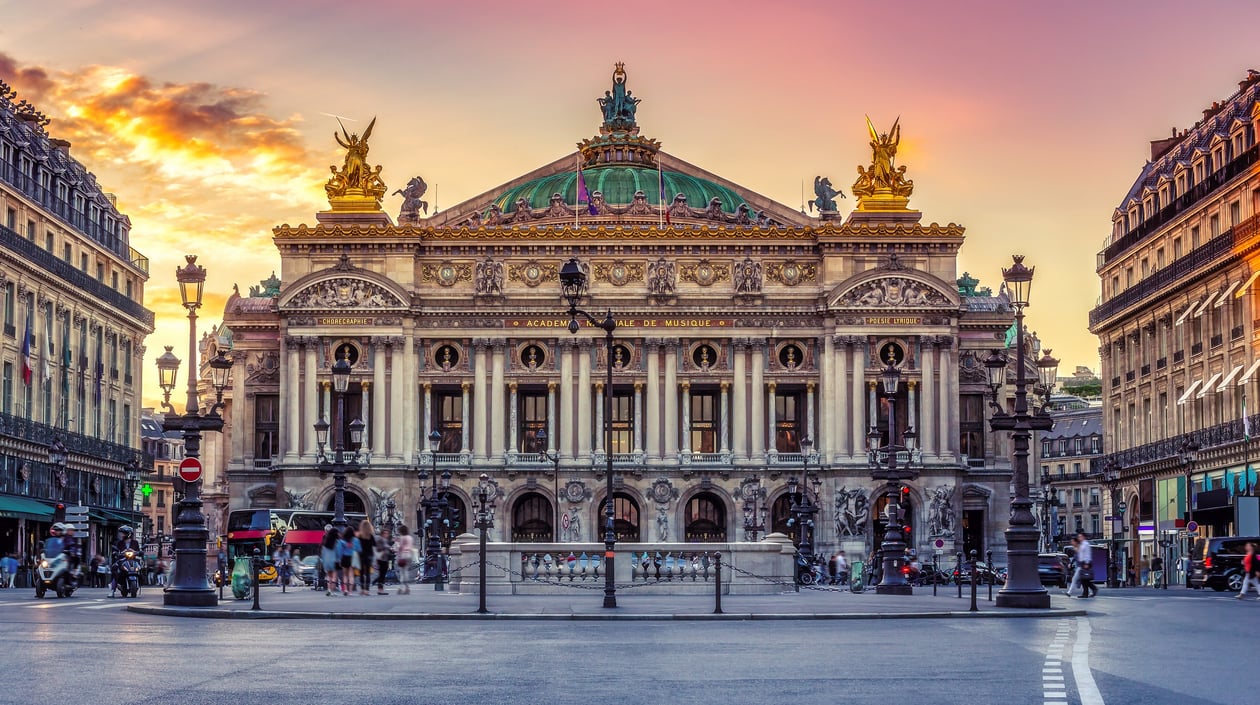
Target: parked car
1217 562
1054 569
985 575
308 570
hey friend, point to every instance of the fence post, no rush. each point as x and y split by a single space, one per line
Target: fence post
254 564
974 578
958 570
717 582
988 559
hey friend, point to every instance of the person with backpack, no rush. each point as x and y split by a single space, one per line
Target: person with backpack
1250 569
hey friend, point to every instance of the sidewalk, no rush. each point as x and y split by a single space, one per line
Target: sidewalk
633 604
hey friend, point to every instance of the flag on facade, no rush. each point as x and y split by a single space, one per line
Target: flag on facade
1246 420
583 195
1010 335
100 379
28 343
46 364
661 178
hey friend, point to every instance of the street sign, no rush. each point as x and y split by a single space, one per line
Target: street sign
1192 527
1146 529
939 543
77 517
190 469
1111 518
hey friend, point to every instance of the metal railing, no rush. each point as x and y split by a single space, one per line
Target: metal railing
44 434
1212 436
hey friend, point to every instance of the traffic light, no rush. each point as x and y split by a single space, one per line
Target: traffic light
59 513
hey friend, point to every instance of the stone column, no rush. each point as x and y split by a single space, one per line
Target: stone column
686 418
310 400
239 407
428 412
481 394
724 420
872 409
325 400
584 401
671 401
857 441
369 424
652 415
514 445
599 418
757 420
551 416
463 441
567 421
912 418
638 417
840 401
809 414
739 404
772 414
949 402
407 389
397 389
379 419
824 439
290 401
927 434
497 410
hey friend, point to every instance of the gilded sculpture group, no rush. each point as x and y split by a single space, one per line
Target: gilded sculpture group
883 177
356 179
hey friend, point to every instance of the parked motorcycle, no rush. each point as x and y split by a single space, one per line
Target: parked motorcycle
129 567
54 574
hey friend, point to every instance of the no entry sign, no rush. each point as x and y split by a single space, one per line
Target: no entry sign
190 469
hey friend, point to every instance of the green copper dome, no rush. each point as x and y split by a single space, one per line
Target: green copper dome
618 184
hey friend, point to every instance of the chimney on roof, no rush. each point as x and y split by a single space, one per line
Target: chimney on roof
113 200
60 144
1160 147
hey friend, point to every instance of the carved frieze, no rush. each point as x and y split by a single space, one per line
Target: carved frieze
446 273
791 272
345 292
892 292
619 272
705 273
533 273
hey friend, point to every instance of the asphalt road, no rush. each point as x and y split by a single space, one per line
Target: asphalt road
1136 646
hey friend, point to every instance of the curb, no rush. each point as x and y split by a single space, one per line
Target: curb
215 613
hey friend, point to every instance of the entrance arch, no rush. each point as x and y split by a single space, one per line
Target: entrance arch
879 520
705 519
354 504
532 519
626 524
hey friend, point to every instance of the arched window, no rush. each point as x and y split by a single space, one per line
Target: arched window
780 513
625 518
879 518
705 519
531 519
353 503
456 519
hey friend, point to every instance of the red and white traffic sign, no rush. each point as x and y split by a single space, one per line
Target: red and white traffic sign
190 469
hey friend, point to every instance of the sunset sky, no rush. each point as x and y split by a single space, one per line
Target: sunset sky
1025 122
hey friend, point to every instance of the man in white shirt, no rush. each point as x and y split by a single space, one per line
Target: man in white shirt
1084 559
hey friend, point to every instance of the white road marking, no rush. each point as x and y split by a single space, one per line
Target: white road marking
1085 685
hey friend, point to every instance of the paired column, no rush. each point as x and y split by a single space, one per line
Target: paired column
239 405
809 414
551 416
671 402
370 425
824 440
567 351
513 441
398 386
948 400
739 404
310 405
289 400
927 434
378 400
772 418
407 389
638 417
652 415
757 424
840 400
584 402
481 393
463 439
857 441
723 415
498 412
325 399
686 418
912 419
428 412
599 418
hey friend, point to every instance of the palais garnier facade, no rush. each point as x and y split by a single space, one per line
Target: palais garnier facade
750 342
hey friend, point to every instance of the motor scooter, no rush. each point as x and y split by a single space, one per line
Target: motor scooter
53 573
129 567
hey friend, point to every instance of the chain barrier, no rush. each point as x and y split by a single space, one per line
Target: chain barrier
787 583
594 586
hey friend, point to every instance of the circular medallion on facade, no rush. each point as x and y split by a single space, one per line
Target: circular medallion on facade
446 357
533 357
662 491
618 273
532 273
621 357
704 356
348 352
791 356
892 352
792 273
705 274
447 274
575 491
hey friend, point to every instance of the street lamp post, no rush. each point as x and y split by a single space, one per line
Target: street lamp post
893 546
132 478
1111 477
755 510
1189 456
1048 500
435 506
1023 585
554 458
344 460
573 285
487 491
57 455
803 508
189 587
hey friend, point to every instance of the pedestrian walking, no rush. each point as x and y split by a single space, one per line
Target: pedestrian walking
1084 558
1074 554
349 556
404 548
367 550
330 558
8 570
383 555
1251 568
842 568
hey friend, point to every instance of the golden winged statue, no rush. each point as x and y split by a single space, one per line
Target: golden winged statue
356 179
883 180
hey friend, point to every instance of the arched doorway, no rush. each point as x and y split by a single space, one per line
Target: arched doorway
705 519
353 503
531 519
625 518
781 514
879 519
456 520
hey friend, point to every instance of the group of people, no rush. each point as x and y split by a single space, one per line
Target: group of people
348 557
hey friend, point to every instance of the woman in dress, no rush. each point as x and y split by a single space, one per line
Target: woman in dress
330 558
349 555
366 547
402 552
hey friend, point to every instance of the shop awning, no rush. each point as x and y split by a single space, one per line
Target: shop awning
1224 297
109 516
1247 284
1185 314
22 508
1251 371
1228 378
1208 386
1189 390
1206 302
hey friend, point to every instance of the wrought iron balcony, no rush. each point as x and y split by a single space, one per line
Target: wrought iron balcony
1213 436
44 434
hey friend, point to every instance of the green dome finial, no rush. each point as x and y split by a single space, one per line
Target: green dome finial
618 105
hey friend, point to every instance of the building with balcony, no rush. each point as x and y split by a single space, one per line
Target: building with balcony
1071 485
1176 322
74 325
744 328
162 486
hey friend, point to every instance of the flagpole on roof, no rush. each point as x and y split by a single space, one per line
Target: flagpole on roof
660 189
577 190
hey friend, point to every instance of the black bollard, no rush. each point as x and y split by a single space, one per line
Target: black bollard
958 577
974 577
255 567
988 559
936 571
717 583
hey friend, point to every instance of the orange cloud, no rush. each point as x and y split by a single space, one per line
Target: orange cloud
199 168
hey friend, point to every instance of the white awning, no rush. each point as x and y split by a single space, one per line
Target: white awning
1251 371
1185 314
1189 390
1220 300
1228 378
1206 302
1242 290
1208 386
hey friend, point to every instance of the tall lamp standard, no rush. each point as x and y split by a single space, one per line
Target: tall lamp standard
755 510
435 521
893 546
1189 456
342 461
573 284
803 508
132 478
487 491
1023 585
1046 488
1111 478
189 587
553 458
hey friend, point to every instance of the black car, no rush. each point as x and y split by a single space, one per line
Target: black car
985 575
1217 562
1053 568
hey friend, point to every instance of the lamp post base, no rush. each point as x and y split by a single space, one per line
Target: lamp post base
894 590
189 597
1025 600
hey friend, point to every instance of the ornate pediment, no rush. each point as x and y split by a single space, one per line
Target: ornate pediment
893 292
345 292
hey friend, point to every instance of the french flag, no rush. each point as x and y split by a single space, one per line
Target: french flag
28 364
